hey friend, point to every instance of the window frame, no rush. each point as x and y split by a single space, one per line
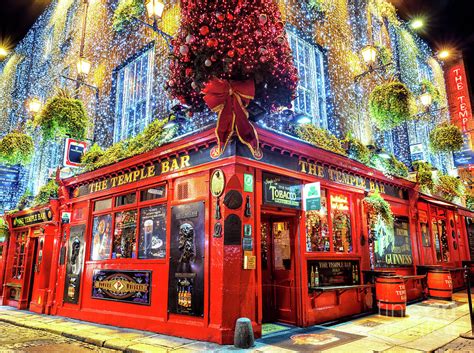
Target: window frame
136 206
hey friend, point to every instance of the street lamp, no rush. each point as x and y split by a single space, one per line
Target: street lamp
83 67
34 105
155 10
3 52
369 54
426 100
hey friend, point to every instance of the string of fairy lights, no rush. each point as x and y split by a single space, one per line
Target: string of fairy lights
340 27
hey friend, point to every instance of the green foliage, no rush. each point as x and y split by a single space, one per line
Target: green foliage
16 148
470 201
449 187
24 201
446 138
47 192
125 13
152 137
384 55
395 167
315 5
63 116
431 89
320 138
378 207
3 228
356 149
424 175
391 104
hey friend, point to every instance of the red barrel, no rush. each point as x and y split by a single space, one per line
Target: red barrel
440 284
391 296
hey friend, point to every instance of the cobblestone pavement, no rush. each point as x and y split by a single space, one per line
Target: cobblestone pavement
21 339
459 345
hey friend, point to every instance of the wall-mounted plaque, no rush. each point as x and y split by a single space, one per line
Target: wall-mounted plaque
217 183
122 286
232 230
186 274
233 199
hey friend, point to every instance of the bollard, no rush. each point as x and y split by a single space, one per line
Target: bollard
243 336
467 277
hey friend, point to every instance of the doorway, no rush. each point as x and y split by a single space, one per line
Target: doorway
278 263
35 267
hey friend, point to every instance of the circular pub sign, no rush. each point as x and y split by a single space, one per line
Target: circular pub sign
217 183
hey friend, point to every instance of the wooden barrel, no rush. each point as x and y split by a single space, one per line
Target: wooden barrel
391 296
440 284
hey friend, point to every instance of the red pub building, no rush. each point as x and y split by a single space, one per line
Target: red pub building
173 239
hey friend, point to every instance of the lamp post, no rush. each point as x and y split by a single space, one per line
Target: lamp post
34 106
154 9
369 55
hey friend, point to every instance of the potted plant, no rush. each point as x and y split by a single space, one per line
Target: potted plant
446 137
391 104
16 148
63 116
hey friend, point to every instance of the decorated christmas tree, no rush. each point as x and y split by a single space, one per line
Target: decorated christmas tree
228 53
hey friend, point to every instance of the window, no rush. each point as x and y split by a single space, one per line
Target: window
133 94
439 234
123 228
329 228
311 95
48 43
18 267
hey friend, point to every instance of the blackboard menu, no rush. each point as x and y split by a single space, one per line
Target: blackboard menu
332 273
470 235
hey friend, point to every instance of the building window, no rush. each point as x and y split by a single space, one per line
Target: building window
48 43
18 267
133 94
125 228
311 95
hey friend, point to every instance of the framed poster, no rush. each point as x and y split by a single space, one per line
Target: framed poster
101 237
186 273
152 238
122 286
392 244
75 261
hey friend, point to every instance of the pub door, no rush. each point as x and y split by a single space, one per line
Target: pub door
35 272
278 269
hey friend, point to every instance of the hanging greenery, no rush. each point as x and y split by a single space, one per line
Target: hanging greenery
391 104
125 13
446 138
3 229
321 138
384 55
63 116
356 149
449 187
47 192
152 137
377 207
384 9
470 201
424 175
16 148
395 167
25 200
429 87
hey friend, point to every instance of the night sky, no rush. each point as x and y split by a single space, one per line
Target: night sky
448 22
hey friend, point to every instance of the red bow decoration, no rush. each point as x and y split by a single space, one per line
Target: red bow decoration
229 99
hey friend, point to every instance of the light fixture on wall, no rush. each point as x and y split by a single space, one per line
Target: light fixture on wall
155 9
83 67
34 105
369 54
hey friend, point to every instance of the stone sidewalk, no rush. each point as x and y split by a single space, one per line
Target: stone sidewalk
425 329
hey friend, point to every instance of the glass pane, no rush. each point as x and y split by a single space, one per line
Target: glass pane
152 241
103 204
156 192
317 230
434 228
125 235
101 237
127 199
281 246
341 223
444 240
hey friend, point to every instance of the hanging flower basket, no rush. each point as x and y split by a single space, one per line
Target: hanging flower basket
446 138
424 175
377 207
449 187
16 148
63 116
125 13
391 104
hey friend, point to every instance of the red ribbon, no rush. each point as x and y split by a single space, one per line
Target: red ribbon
229 99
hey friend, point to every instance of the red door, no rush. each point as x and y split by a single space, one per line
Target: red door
278 270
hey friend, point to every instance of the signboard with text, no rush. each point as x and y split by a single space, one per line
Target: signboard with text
312 196
281 191
73 152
